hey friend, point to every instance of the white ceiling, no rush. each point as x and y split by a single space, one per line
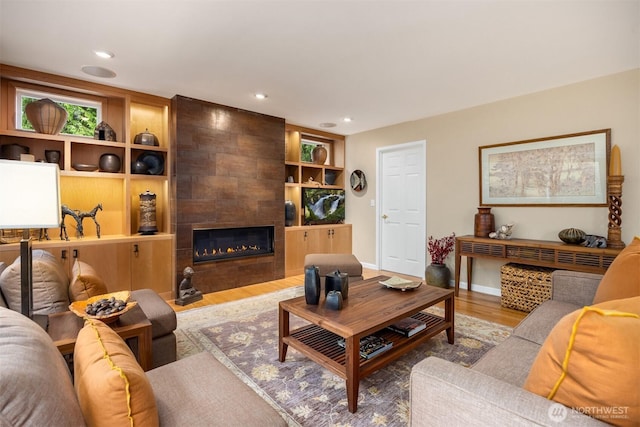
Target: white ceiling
380 62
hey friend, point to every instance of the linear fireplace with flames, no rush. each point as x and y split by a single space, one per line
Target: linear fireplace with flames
218 244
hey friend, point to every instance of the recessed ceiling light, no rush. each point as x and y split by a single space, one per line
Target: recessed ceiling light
347 119
260 95
327 125
105 54
93 70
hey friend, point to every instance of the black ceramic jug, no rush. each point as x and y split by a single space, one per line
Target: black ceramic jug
337 281
312 285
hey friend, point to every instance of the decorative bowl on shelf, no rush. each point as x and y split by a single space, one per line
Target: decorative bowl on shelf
139 167
572 236
84 167
110 162
109 306
154 162
13 151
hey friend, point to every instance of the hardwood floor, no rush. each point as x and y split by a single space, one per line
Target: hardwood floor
474 304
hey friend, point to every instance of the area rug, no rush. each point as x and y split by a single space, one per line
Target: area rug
243 335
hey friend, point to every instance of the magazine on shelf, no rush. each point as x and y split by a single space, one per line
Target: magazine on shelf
370 346
408 326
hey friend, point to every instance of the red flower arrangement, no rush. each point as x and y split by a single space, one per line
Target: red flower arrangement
439 249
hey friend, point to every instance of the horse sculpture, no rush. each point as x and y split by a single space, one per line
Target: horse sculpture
78 216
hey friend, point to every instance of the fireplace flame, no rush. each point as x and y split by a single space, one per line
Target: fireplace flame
229 250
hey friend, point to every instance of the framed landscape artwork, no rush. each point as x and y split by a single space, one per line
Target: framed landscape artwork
565 170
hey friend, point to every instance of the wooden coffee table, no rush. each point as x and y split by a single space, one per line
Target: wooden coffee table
64 328
368 310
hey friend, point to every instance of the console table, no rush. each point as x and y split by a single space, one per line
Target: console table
531 252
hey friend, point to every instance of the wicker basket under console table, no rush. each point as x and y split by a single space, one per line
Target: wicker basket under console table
531 252
524 287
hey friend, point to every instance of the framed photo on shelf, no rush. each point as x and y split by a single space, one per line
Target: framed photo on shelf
565 170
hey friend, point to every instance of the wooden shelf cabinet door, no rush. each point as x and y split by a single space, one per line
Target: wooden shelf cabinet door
108 260
295 250
314 240
341 239
151 265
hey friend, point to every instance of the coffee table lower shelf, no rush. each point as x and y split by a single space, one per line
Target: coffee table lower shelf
322 346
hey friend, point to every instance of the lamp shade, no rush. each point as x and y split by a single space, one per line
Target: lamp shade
29 195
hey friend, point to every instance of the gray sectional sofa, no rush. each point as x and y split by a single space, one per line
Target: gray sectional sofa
491 392
37 387
52 287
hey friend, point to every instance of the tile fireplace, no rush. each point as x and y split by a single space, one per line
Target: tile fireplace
229 175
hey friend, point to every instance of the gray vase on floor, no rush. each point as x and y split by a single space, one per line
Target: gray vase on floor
438 275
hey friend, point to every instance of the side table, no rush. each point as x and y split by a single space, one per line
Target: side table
65 326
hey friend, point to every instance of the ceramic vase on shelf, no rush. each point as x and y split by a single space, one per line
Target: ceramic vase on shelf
148 223
329 177
484 222
52 156
312 285
319 155
290 212
46 116
438 275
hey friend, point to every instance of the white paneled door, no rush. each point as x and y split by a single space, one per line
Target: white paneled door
402 208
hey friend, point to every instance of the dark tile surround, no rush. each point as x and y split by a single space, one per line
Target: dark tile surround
228 172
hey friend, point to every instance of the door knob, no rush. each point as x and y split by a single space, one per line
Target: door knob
384 216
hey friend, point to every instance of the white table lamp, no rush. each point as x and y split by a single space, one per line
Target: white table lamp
29 198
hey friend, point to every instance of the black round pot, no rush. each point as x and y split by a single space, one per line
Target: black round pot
110 163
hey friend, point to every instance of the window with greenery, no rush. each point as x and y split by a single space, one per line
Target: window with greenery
84 115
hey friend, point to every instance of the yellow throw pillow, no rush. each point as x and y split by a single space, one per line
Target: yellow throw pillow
112 388
85 282
591 362
622 278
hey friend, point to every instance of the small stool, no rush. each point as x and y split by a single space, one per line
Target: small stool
328 263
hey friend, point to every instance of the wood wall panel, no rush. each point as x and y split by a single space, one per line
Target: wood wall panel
229 165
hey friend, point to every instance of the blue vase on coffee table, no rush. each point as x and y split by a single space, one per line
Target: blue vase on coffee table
312 285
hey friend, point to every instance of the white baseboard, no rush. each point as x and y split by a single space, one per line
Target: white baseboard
369 266
488 290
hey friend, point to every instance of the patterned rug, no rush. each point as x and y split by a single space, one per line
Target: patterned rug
243 335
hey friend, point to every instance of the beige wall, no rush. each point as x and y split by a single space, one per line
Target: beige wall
452 163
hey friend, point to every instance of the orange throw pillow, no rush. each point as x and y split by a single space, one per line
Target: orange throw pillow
622 278
111 386
591 362
85 282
